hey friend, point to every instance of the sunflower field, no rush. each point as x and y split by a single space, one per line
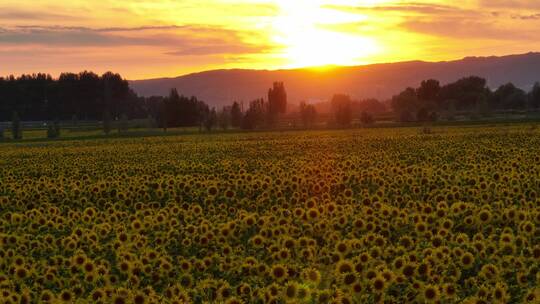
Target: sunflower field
357 216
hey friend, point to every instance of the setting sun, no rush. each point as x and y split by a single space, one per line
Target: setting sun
304 31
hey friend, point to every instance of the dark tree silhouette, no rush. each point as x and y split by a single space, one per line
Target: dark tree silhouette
405 103
211 120
423 115
107 122
464 93
236 115
254 116
53 129
277 102
308 114
509 96
16 128
341 105
534 96
86 95
370 105
224 118
429 91
123 124
366 118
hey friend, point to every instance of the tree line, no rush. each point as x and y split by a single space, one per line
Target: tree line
470 94
82 96
431 100
180 111
108 98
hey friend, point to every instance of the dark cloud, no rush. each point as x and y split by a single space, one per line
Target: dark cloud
452 21
527 17
17 14
191 28
101 29
187 40
510 4
214 49
465 29
71 37
410 7
84 36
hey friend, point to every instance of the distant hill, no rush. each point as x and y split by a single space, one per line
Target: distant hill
221 87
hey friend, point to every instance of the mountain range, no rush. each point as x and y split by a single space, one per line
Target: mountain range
382 81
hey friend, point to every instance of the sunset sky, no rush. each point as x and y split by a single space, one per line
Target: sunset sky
146 39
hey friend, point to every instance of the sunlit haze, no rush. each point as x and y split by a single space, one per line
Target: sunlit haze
145 39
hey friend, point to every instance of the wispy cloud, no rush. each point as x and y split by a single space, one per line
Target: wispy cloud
408 7
465 29
455 21
527 17
19 14
510 4
182 40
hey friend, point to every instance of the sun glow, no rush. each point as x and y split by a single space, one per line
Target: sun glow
303 29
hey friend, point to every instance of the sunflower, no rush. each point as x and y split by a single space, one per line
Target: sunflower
378 284
312 276
532 296
499 293
234 300
46 296
279 272
430 293
467 260
449 290
224 292
66 296
323 296
290 291
348 279
119 299
484 216
344 266
21 273
342 248
408 269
